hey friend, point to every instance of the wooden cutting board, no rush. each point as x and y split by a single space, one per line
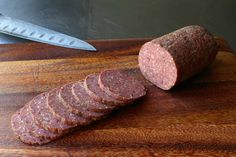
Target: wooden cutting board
198 117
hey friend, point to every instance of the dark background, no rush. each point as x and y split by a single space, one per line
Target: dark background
106 19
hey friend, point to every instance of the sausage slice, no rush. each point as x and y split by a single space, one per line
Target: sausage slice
24 131
44 117
120 85
59 110
36 130
92 88
79 106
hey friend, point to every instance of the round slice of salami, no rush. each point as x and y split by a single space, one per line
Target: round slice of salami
44 117
58 109
35 129
80 106
120 85
93 89
23 132
168 60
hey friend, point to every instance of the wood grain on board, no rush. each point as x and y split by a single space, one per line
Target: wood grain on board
198 117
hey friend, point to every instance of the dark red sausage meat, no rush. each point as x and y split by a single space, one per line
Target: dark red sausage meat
79 106
44 118
61 111
175 57
120 85
92 87
64 109
25 132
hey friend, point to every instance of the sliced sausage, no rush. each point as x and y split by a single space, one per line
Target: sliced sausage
177 56
44 117
53 114
93 89
59 110
36 130
120 85
77 90
22 131
80 105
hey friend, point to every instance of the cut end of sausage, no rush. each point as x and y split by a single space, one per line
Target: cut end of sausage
175 57
157 65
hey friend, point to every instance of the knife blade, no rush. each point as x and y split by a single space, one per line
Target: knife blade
22 29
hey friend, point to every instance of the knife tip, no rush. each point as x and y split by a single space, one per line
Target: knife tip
92 48
88 47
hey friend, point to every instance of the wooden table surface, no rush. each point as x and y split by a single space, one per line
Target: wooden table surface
198 117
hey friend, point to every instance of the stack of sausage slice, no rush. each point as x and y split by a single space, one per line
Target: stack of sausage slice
61 110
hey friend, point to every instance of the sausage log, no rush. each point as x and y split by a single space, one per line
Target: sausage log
177 56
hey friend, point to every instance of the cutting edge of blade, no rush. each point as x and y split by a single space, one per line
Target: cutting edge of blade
87 46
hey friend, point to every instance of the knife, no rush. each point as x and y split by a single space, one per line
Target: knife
37 33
